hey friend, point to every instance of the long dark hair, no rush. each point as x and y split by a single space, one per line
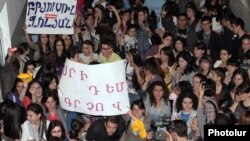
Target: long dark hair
186 94
60 59
52 125
139 63
151 88
37 109
13 116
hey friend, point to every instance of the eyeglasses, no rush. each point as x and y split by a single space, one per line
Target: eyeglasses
106 48
59 131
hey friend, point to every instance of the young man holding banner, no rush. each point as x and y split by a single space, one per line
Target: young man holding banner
107 54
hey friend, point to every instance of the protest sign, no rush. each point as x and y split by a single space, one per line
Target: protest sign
50 16
94 89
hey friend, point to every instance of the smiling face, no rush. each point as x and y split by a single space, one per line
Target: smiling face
137 112
224 55
106 50
33 117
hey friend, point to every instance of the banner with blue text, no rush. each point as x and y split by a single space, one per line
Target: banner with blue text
50 16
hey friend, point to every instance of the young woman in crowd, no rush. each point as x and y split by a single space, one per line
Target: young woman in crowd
241 103
56 129
184 70
179 45
33 93
197 82
52 109
200 50
137 115
221 93
88 54
133 74
60 54
17 90
50 83
225 55
167 61
186 106
157 103
35 127
205 66
240 77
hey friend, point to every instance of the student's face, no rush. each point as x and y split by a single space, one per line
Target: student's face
244 96
50 104
38 89
56 131
30 69
129 57
224 56
90 20
158 92
141 16
179 46
33 117
137 112
67 41
106 50
53 84
231 69
206 26
19 87
246 45
215 77
59 47
167 41
132 32
204 65
86 49
182 63
190 12
163 56
182 22
238 79
98 12
44 39
126 16
235 28
198 52
187 104
196 82
110 128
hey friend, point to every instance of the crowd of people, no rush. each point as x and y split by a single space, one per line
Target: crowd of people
187 65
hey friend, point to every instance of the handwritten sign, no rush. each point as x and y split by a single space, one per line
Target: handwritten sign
94 89
50 16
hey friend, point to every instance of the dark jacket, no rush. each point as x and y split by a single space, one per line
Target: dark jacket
214 44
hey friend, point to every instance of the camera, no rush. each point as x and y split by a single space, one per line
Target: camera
159 127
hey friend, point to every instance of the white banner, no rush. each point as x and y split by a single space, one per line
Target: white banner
94 89
50 16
